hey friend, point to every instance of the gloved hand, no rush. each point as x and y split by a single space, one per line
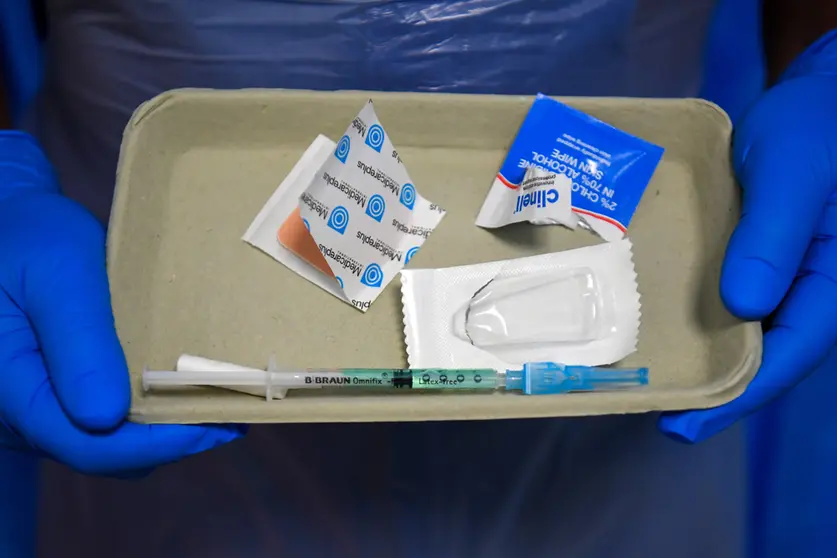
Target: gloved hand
64 388
783 254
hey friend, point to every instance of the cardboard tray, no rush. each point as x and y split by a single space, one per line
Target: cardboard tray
196 166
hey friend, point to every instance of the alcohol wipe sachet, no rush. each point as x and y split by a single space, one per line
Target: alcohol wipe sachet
543 198
608 169
578 307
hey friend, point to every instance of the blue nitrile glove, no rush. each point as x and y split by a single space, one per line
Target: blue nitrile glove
783 255
64 388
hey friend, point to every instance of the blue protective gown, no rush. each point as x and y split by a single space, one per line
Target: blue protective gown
605 486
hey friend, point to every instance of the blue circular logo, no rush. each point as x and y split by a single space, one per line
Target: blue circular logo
375 137
339 219
410 253
373 276
408 195
339 281
376 207
342 150
307 225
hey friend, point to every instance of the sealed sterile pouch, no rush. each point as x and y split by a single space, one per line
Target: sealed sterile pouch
609 169
578 307
359 219
543 198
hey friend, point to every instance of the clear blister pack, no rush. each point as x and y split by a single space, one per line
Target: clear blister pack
579 306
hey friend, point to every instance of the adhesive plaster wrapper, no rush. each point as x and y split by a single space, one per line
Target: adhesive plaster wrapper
363 218
608 168
280 208
543 198
364 212
578 307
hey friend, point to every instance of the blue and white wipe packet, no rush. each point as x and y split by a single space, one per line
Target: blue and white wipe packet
608 168
542 198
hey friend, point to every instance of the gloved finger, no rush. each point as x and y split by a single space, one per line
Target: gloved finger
135 474
786 184
67 299
31 405
802 334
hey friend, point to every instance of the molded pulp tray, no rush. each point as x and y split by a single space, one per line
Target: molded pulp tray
196 166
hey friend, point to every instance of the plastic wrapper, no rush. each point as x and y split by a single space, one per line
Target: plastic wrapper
575 307
554 306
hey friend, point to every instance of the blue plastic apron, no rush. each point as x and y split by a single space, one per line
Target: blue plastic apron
607 486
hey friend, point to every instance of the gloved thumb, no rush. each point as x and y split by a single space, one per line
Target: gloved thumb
54 271
787 176
64 293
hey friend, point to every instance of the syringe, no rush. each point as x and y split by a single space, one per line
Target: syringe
539 378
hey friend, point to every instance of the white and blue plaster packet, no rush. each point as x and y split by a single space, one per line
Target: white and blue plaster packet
359 206
608 170
364 212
